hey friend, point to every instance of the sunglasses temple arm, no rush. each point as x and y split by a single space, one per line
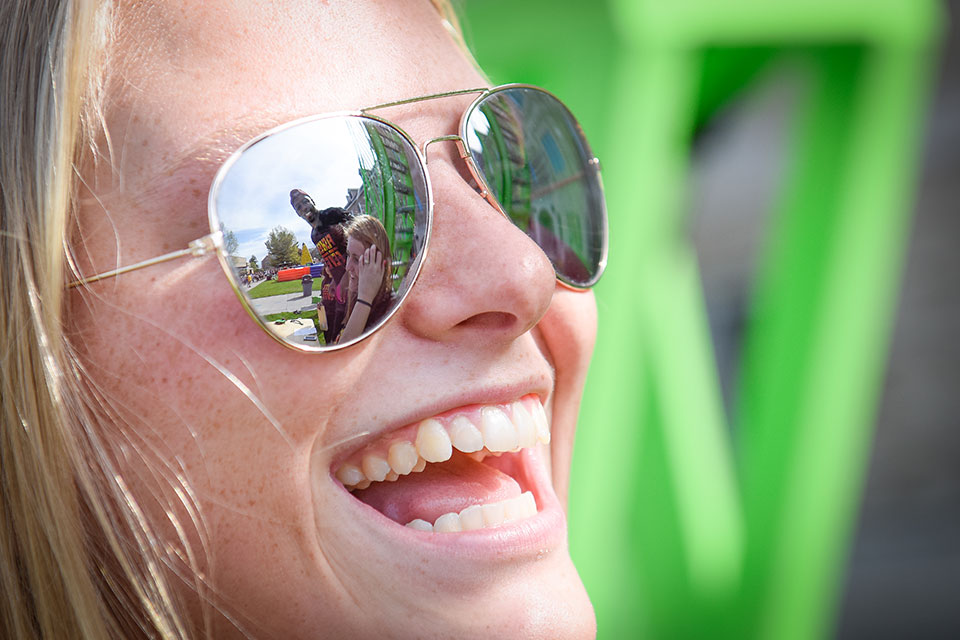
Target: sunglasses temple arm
434 96
199 247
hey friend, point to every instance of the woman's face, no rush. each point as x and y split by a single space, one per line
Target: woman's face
212 413
355 249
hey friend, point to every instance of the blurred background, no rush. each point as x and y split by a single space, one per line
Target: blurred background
769 442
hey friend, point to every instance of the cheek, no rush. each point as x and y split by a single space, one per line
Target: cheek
194 395
567 333
569 329
183 366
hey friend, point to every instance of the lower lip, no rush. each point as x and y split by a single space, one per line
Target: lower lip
531 537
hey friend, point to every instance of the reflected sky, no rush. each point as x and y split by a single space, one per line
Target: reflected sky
322 157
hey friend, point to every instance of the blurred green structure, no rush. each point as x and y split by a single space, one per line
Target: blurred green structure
686 522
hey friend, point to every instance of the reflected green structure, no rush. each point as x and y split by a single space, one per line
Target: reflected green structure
388 187
510 180
532 156
687 522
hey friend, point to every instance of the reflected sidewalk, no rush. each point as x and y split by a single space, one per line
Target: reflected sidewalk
285 302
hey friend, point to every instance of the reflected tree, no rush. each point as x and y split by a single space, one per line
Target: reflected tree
282 247
230 241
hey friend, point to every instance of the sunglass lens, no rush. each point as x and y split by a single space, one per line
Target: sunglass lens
530 151
324 225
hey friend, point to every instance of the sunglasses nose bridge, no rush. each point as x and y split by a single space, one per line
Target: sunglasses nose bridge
481 185
448 138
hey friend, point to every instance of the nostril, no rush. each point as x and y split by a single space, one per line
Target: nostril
496 320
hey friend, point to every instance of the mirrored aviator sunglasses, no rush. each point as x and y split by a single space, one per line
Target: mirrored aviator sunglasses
302 213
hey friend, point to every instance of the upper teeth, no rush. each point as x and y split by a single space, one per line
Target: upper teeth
496 428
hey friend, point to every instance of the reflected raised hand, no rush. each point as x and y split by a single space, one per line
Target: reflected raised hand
372 266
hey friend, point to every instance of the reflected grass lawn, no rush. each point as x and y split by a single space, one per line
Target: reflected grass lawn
273 288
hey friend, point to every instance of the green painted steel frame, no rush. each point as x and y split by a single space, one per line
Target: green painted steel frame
678 529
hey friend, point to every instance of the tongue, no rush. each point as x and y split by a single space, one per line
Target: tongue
441 488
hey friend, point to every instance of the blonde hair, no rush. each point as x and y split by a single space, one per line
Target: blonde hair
78 559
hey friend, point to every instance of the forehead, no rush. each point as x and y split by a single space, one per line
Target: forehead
354 246
194 79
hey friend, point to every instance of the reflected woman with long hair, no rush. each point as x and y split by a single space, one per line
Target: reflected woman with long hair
368 267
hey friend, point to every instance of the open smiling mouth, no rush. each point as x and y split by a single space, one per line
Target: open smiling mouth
464 470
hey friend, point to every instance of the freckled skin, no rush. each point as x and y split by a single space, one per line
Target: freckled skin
201 393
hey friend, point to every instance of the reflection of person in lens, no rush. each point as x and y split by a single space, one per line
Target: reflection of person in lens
327 233
321 221
368 267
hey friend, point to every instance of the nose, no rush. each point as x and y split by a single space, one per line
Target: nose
483 279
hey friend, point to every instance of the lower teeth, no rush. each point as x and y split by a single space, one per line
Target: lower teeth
481 516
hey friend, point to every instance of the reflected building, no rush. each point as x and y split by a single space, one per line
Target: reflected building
355 201
388 190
